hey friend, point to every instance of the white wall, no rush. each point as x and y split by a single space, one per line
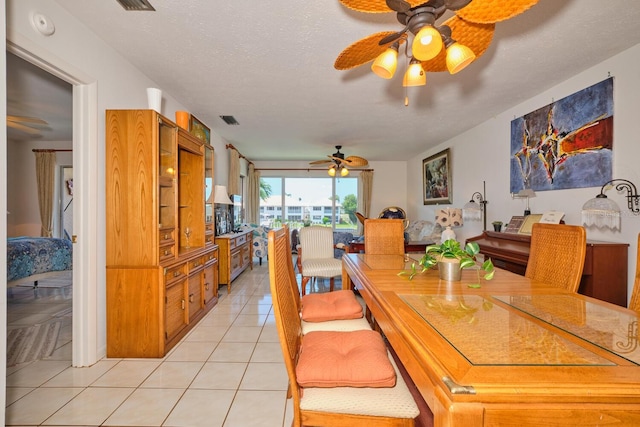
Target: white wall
389 180
482 154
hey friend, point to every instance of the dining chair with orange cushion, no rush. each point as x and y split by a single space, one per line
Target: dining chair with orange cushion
336 378
384 237
634 303
557 255
329 311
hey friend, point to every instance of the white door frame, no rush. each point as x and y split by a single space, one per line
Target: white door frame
85 212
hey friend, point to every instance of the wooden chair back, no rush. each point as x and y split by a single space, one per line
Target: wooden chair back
384 237
634 303
557 255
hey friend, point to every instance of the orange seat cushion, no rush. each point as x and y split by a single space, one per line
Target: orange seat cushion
344 359
337 305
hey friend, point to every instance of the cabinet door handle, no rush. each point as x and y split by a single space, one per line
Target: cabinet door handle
166 251
183 305
190 297
176 273
206 286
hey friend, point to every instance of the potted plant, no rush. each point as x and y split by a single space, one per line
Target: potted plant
451 259
497 225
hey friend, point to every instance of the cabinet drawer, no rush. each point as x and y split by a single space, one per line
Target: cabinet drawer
175 273
236 261
241 240
166 236
209 238
167 252
196 264
211 257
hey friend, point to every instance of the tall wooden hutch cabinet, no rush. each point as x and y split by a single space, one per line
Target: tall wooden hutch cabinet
162 262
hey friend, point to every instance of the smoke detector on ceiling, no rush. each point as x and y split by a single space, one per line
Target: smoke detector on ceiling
139 5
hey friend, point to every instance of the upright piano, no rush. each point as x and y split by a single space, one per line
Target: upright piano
605 264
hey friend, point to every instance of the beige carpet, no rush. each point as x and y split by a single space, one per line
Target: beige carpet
32 342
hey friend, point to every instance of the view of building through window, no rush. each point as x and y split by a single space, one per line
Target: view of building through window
304 201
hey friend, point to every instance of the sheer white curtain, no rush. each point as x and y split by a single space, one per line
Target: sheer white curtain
253 196
45 175
365 189
233 185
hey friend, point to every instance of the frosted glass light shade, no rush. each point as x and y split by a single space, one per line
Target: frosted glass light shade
344 172
426 44
332 171
386 63
415 75
601 212
458 57
472 211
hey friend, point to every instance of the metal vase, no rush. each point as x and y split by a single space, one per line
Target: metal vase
450 270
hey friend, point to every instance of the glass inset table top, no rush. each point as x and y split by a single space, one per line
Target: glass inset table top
610 329
489 334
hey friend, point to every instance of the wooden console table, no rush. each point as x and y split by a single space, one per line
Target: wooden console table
605 265
409 247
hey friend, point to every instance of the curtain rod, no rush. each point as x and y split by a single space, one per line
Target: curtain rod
49 150
307 169
239 153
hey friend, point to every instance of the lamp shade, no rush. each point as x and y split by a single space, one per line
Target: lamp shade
427 43
344 171
449 217
415 75
458 57
472 211
386 63
332 171
220 195
601 212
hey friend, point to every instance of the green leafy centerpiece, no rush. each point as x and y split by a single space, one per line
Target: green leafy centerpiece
451 259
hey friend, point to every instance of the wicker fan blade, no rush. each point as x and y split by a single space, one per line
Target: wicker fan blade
24 128
362 51
356 161
25 119
375 6
476 37
320 162
491 11
456 4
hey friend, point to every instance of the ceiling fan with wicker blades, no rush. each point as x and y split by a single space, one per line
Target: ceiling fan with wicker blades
451 46
338 162
26 124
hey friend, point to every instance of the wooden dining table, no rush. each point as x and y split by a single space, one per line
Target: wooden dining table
512 352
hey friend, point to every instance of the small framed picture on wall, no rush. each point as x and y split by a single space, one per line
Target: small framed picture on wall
436 177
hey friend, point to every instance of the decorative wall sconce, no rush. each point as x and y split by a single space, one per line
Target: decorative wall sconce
604 212
527 194
447 218
473 211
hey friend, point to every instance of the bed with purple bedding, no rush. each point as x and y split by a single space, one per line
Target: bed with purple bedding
33 258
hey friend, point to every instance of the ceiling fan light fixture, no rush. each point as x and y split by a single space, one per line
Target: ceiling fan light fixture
415 75
344 171
427 43
386 63
458 57
332 171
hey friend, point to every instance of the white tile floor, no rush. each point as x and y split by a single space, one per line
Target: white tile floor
227 372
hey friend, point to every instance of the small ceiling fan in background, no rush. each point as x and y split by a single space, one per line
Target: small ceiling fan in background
451 46
339 162
30 125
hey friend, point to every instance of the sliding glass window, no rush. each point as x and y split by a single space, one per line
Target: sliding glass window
299 202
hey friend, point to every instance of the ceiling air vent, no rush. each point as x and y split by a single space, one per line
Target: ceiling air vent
230 120
136 5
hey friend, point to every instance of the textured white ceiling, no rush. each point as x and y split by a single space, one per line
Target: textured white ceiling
270 64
